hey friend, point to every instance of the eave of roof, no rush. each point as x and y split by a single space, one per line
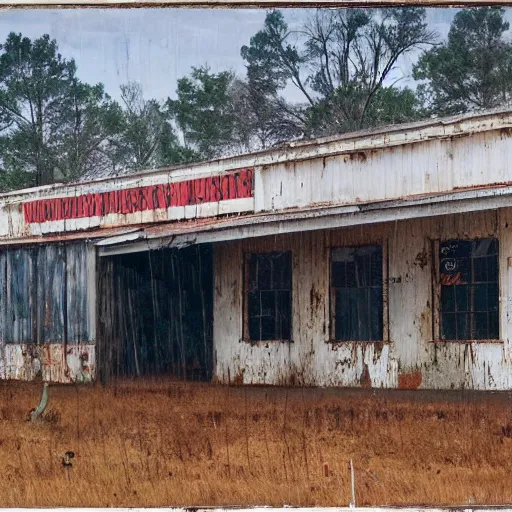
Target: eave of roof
377 138
92 234
308 219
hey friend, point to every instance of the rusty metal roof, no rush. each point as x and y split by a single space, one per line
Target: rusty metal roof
66 237
184 233
105 237
375 138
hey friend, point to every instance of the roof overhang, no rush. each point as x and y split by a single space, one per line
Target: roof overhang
72 236
182 234
380 138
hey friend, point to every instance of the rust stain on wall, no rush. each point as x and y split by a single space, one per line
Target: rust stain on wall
238 379
425 323
316 299
410 380
365 381
421 259
505 132
360 156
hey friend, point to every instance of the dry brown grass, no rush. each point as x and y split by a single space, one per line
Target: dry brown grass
163 443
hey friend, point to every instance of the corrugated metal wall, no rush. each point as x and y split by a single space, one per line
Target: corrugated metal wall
410 358
45 310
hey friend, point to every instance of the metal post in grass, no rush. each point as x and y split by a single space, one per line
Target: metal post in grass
353 486
38 411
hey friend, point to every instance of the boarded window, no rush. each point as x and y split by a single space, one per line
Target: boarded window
356 293
469 289
269 297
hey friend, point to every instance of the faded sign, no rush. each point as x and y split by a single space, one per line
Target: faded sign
236 185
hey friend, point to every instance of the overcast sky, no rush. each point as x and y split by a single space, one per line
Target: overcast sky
157 46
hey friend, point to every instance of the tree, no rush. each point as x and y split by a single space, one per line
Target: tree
204 111
346 56
34 82
262 120
389 105
53 125
473 68
146 138
273 59
88 118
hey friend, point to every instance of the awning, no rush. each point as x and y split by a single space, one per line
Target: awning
94 234
184 233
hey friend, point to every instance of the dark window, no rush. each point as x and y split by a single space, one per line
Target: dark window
269 296
356 293
469 289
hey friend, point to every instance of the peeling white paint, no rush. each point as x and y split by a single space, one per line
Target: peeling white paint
51 362
410 360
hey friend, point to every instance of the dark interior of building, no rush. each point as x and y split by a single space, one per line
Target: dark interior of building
155 314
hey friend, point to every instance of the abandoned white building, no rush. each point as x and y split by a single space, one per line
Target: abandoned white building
379 259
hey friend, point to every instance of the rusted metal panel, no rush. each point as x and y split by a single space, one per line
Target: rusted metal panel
45 294
51 362
50 289
45 305
71 363
19 300
409 359
77 294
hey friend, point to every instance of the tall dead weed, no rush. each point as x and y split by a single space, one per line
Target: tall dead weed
158 443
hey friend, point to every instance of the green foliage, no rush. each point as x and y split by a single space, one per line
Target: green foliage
389 105
86 121
55 127
271 59
473 69
145 136
345 57
204 111
34 79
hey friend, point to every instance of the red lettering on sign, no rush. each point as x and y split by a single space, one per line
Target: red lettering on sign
447 280
237 184
199 192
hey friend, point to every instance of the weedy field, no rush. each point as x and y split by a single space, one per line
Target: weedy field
157 443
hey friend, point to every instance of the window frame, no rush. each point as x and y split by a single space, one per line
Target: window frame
245 297
436 291
331 320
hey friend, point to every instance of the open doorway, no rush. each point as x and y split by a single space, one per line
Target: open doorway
155 314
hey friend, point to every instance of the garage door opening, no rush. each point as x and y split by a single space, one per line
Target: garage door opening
155 314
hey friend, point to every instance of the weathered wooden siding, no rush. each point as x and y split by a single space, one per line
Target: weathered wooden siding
410 359
45 311
432 166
